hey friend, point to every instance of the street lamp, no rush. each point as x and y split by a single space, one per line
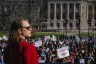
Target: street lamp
65 26
58 26
51 24
89 21
79 24
66 21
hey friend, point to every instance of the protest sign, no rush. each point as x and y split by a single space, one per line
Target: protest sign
38 43
63 52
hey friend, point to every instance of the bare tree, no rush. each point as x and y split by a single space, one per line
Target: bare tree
31 9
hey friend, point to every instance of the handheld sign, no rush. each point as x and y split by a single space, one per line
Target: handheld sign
38 43
63 52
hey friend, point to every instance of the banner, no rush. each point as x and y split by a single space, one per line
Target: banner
46 38
63 52
82 61
77 38
61 42
5 38
38 43
54 38
0 38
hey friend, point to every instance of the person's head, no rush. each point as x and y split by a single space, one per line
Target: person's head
20 28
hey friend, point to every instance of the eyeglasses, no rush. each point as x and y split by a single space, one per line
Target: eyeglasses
28 28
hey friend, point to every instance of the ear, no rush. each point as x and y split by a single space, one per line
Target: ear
19 31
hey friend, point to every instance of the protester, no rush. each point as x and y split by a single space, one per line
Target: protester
18 50
82 51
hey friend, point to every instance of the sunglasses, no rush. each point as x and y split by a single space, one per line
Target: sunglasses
28 28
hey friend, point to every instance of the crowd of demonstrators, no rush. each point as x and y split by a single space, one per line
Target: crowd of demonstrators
82 51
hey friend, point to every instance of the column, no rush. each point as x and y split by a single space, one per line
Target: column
80 10
93 13
48 11
61 10
74 25
67 10
87 11
74 10
54 10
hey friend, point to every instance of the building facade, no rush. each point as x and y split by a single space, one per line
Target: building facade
67 16
72 16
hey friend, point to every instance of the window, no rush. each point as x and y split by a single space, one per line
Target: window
58 6
64 25
58 25
64 15
95 16
77 5
52 16
44 26
51 24
77 16
58 16
71 25
64 6
90 7
95 24
71 16
89 24
52 6
77 25
70 6
95 7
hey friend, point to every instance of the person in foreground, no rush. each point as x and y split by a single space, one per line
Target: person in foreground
18 50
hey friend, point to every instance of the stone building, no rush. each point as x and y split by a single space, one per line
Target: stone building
71 16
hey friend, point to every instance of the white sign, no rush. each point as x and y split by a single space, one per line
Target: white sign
46 38
67 42
0 38
41 61
63 52
54 38
82 61
5 38
38 43
77 38
61 42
